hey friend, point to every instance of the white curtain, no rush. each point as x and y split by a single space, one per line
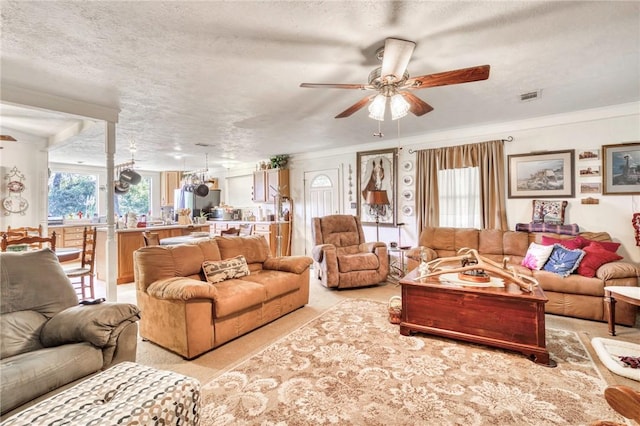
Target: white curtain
459 197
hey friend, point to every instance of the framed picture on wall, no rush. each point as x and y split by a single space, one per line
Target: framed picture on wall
541 175
621 169
589 154
377 171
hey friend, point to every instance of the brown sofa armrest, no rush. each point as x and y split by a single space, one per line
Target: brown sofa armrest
88 323
372 247
320 251
614 270
181 288
293 264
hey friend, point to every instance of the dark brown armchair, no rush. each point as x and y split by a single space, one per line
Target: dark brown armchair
342 256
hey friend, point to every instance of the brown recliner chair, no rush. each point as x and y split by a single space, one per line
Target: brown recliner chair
343 258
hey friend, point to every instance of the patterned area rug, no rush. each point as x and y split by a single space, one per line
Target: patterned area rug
350 366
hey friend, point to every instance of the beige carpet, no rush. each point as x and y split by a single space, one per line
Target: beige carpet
213 363
351 366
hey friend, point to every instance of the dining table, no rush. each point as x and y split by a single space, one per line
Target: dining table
170 241
65 254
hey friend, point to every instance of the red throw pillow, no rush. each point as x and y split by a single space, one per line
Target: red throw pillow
595 256
609 245
570 243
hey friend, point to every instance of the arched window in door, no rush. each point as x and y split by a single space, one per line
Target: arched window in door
321 196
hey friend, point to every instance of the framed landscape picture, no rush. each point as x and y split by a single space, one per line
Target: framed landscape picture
621 169
589 154
376 170
589 171
590 188
541 175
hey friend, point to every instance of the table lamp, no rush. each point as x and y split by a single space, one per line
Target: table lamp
378 202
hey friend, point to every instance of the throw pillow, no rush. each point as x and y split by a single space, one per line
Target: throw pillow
536 256
608 245
563 261
217 271
595 256
570 243
551 212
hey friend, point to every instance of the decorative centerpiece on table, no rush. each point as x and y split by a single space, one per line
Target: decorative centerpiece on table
474 268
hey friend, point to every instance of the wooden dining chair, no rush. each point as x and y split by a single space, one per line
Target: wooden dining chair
246 229
81 275
31 241
230 231
26 231
151 238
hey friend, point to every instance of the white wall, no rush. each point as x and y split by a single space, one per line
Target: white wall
589 129
30 159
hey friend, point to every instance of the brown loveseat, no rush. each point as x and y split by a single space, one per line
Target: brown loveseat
575 295
184 313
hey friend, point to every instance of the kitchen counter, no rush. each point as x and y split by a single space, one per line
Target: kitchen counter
129 240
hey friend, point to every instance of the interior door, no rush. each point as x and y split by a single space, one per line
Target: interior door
321 194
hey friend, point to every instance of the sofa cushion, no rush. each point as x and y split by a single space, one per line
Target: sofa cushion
595 256
563 261
570 243
551 212
358 262
276 283
20 332
19 291
572 284
254 248
607 245
537 255
236 295
29 375
220 270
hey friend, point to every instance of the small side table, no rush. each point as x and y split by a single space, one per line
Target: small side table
397 266
626 294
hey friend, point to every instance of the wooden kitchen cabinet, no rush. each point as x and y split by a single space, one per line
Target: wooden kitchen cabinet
267 182
68 236
169 181
270 232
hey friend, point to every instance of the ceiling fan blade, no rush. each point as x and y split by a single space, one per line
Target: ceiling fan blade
7 138
464 75
355 107
336 86
417 105
396 57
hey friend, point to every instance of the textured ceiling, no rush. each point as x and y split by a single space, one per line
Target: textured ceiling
227 74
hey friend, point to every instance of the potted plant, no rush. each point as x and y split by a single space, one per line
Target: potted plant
279 161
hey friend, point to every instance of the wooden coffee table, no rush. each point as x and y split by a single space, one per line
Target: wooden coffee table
626 294
507 318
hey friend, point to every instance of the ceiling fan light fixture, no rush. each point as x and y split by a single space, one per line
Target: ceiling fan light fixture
399 106
377 107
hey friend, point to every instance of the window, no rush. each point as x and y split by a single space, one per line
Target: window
72 194
136 200
459 197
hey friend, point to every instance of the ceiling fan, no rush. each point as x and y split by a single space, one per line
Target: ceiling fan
392 81
7 138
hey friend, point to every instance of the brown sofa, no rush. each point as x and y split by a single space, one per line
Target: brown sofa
574 296
184 313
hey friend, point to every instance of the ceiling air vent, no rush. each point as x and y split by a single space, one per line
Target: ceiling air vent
202 144
530 96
